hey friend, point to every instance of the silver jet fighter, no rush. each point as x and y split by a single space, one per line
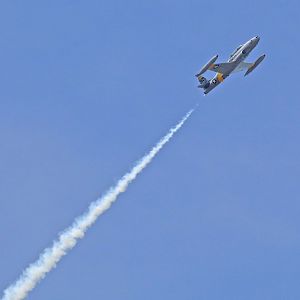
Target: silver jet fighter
234 64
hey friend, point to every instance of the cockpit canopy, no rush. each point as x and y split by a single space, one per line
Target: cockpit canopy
235 51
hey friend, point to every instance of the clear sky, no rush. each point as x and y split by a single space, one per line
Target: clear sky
88 87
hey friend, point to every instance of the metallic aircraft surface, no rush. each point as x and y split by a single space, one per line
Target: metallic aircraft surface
234 64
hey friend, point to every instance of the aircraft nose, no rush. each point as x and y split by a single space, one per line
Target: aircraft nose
255 39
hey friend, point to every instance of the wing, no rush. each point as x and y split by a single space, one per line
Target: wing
242 67
221 68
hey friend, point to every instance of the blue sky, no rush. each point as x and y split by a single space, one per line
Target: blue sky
87 87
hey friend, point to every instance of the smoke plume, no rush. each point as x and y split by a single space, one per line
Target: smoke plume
68 239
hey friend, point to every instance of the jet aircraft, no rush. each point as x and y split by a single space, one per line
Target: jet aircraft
234 64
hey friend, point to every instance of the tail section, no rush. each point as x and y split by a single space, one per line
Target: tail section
204 83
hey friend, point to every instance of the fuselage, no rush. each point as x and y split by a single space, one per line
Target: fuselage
241 54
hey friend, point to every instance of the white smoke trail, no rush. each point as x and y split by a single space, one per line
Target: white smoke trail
68 239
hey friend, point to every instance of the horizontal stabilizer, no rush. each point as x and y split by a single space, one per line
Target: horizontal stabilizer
254 65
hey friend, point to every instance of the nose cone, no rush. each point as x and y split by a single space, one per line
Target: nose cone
255 39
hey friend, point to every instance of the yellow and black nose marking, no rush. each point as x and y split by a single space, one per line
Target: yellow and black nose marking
220 77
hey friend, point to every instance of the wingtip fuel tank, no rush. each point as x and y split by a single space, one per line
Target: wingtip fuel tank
257 62
206 67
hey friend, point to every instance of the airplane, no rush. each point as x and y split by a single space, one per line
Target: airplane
234 64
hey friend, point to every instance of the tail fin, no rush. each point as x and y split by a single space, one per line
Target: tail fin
204 83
